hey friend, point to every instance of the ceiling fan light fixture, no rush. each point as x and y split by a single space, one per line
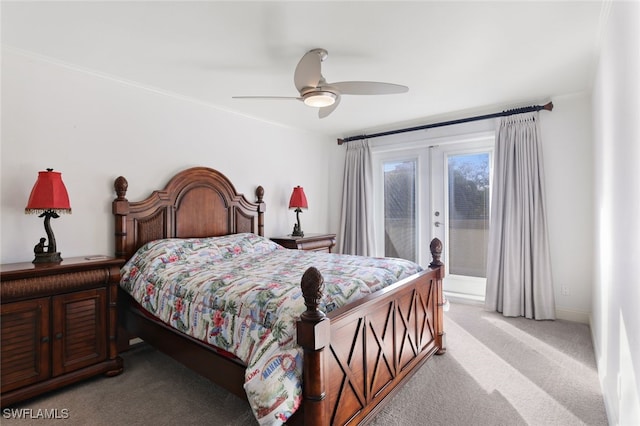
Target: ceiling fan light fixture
316 92
319 99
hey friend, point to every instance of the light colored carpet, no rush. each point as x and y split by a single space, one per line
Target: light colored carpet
497 371
504 371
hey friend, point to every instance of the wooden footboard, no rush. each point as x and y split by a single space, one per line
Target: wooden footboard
370 349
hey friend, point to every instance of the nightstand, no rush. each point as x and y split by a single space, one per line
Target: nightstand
313 242
58 324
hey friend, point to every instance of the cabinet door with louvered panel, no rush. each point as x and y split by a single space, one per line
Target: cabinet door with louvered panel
79 330
25 343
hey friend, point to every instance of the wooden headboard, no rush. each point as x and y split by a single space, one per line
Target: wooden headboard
197 202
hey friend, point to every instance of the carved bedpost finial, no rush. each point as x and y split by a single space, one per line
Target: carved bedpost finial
436 252
121 185
312 285
260 193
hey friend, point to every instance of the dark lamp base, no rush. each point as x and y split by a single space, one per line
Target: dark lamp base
48 257
297 231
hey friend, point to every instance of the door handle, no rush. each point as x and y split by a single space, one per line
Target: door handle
437 224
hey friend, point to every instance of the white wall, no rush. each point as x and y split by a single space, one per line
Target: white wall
616 297
81 123
567 149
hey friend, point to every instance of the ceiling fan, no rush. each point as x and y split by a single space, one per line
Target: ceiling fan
316 92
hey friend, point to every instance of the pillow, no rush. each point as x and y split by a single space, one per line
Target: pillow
236 244
162 253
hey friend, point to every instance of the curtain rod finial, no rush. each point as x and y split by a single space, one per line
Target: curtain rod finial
548 106
340 141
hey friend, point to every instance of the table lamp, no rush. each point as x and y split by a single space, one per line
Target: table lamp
48 198
298 201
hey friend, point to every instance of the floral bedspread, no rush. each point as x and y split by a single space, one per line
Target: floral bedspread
242 294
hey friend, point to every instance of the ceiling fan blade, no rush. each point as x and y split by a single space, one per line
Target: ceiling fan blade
325 111
368 88
277 98
307 72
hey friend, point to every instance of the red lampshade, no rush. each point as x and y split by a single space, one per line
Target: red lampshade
298 199
48 193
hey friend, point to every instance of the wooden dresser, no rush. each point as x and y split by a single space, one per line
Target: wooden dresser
314 242
58 324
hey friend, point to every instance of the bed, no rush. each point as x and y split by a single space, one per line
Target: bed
354 358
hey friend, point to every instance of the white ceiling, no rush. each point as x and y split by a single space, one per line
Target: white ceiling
455 57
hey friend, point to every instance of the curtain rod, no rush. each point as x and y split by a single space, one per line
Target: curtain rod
548 107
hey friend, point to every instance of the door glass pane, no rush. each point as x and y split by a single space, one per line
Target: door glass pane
400 209
468 213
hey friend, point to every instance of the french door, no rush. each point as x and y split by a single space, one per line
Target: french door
437 190
460 212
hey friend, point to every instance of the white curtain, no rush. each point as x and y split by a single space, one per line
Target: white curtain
356 221
519 279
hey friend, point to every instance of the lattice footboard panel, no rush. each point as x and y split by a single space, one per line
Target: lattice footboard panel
374 348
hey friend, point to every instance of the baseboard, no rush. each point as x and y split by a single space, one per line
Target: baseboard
135 341
571 315
469 299
561 313
609 402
